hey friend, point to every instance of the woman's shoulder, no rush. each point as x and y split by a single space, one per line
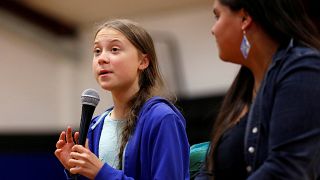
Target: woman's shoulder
298 58
300 52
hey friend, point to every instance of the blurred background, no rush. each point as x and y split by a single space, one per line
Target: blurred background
46 54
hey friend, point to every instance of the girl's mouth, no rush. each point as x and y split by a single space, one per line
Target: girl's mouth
104 72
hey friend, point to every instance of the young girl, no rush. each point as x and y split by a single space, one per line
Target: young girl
143 135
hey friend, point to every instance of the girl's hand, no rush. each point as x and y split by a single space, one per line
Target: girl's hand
84 162
64 146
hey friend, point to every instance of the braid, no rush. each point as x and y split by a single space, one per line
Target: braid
135 103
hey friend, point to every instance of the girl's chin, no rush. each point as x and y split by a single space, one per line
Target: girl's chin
106 87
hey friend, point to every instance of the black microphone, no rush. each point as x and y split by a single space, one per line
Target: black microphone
89 99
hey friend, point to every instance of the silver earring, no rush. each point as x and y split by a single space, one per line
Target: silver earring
245 46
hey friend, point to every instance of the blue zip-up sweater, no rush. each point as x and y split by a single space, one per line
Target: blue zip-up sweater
158 148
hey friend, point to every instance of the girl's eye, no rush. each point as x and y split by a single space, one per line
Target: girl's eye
97 51
114 49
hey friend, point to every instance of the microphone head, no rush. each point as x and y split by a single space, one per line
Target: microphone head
90 97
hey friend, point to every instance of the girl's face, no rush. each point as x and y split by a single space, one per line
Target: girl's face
116 62
228 33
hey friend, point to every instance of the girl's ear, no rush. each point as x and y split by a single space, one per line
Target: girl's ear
246 19
144 62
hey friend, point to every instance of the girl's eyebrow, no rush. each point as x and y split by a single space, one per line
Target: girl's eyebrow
112 41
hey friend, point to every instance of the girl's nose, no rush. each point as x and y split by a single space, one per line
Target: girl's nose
103 59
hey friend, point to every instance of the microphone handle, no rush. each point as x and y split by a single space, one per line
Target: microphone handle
86 116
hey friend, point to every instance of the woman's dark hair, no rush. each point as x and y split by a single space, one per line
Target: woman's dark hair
236 99
282 20
150 81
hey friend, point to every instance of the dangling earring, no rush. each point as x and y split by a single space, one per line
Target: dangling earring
245 45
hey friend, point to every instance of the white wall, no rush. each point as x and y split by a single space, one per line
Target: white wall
42 76
36 76
204 73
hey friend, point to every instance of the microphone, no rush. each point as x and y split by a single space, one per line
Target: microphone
89 99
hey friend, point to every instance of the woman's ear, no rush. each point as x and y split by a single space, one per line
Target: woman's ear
144 63
246 19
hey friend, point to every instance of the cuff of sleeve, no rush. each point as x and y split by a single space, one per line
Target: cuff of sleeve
106 172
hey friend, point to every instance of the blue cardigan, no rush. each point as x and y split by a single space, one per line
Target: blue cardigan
158 148
282 138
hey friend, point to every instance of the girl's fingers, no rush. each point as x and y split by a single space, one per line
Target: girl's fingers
80 149
69 135
76 163
87 144
62 136
60 143
75 170
74 155
57 152
76 136
80 153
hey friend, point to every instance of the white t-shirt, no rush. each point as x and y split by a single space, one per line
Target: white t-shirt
109 145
